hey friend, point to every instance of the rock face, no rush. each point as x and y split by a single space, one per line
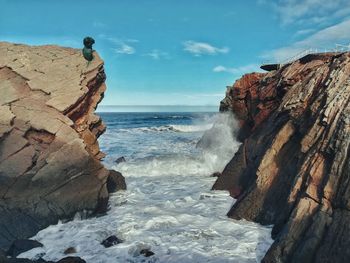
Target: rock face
49 155
293 167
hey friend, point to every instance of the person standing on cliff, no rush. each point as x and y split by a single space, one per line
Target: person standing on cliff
87 50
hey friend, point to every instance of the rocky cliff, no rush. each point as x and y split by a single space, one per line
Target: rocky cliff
293 167
49 155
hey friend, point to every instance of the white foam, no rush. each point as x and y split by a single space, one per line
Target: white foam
169 209
171 128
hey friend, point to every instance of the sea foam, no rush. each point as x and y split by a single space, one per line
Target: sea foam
168 207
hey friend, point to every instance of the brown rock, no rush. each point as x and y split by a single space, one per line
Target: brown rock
49 154
293 168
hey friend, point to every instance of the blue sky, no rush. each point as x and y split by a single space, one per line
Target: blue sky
178 52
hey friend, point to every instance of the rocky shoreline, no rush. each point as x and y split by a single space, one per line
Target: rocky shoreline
50 165
293 167
291 170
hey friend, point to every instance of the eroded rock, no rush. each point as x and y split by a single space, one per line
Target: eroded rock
49 155
292 169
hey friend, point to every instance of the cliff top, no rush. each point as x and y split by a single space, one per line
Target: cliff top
40 65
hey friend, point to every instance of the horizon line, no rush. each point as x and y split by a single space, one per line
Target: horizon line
156 105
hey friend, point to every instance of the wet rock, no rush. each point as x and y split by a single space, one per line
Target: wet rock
115 181
111 241
120 160
146 252
71 260
22 245
216 174
2 255
25 260
293 167
49 155
70 250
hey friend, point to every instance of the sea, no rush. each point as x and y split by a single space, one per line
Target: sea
168 207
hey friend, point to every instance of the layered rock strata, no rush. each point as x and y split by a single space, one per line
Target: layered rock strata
293 167
49 155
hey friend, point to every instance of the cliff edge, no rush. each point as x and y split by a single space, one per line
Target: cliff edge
49 155
293 167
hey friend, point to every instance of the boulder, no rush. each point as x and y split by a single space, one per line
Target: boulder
71 260
49 155
111 241
293 167
115 182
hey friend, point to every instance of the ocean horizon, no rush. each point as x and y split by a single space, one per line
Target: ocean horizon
157 108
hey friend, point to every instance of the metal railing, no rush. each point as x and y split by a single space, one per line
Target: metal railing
338 48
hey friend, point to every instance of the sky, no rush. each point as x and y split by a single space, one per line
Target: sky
178 52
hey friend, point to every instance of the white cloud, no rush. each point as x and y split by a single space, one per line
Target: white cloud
122 45
309 11
325 38
157 54
238 70
201 48
125 49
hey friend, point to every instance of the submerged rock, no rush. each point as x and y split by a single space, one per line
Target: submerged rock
111 241
22 245
70 250
120 160
49 155
293 167
146 252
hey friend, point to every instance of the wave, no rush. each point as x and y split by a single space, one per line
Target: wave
172 128
166 117
168 208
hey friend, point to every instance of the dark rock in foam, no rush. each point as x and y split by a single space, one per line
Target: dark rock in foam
115 182
111 241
